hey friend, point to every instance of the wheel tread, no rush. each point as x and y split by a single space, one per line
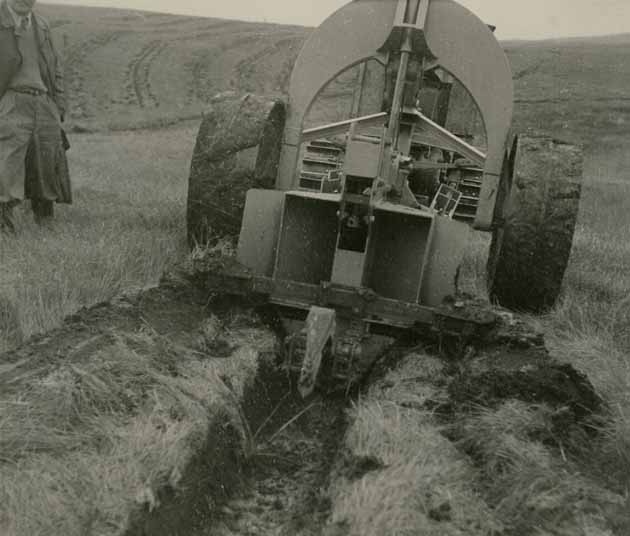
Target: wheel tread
529 255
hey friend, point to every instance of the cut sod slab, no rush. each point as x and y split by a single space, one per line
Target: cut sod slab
399 474
130 418
483 446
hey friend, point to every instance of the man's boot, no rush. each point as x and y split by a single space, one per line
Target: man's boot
43 210
6 218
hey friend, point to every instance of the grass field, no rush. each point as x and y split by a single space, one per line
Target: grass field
131 74
123 230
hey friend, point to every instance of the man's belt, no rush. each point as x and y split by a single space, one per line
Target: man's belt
35 92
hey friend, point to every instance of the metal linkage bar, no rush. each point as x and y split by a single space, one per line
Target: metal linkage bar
342 126
448 140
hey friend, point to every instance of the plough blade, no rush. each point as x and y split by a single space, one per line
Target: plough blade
320 330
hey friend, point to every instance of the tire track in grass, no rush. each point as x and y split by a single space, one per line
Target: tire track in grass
245 70
138 74
243 75
203 67
76 58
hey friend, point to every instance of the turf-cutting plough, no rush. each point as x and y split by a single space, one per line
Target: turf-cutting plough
355 229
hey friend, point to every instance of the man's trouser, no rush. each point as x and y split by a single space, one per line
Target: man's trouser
32 163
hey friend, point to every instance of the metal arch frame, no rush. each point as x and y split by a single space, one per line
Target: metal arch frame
331 49
467 49
459 41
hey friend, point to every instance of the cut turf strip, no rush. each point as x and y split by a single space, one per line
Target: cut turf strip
169 412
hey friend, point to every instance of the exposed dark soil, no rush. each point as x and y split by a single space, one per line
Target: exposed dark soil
522 374
271 483
276 485
210 479
175 310
286 482
287 476
277 480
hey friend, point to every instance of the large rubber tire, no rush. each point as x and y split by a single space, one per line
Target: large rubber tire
237 148
533 237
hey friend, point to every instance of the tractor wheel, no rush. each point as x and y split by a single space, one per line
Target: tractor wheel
531 243
237 148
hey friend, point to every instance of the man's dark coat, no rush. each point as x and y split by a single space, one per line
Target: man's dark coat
44 172
11 58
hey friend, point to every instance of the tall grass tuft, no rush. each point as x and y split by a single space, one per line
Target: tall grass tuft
89 439
530 488
83 441
590 327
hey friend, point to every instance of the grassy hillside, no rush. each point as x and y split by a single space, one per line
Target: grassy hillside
127 66
124 67
576 88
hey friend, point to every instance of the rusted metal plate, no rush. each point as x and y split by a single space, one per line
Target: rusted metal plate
348 268
400 243
448 244
259 231
308 237
361 159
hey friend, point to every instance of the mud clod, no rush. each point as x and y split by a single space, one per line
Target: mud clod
554 384
441 513
356 467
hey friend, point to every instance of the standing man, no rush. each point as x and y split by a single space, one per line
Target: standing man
32 107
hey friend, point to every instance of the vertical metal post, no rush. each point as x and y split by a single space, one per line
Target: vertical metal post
399 90
357 96
411 13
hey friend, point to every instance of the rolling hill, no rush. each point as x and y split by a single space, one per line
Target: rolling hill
130 67
126 65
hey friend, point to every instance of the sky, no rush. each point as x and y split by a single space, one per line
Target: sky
515 19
